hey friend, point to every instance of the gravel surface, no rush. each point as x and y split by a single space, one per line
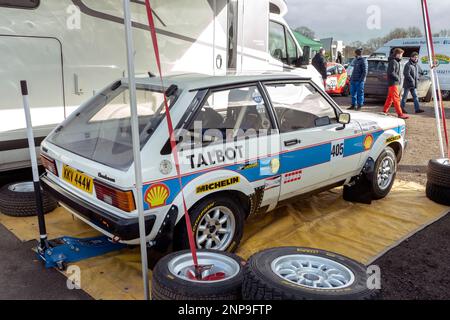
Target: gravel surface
421 134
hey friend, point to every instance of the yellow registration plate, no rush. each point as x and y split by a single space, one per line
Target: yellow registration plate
78 179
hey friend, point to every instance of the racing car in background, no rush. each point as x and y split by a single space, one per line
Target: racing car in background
338 81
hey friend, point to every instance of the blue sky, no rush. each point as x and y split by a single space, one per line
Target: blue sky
347 19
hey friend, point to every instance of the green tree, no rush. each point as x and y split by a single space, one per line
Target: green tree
307 32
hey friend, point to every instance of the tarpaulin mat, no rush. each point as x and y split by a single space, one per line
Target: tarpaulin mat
325 221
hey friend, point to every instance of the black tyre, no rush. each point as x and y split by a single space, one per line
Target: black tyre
429 95
304 274
171 280
384 174
18 200
217 224
439 172
438 194
346 91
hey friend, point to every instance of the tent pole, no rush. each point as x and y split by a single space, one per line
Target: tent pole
136 144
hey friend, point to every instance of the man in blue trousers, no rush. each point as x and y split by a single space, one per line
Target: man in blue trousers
412 73
357 80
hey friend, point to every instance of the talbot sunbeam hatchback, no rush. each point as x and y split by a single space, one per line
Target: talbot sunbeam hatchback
246 144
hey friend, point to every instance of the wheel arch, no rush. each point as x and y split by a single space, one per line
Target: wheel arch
398 149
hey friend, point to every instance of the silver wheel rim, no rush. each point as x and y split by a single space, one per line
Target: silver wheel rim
183 265
386 172
444 161
22 187
313 272
216 229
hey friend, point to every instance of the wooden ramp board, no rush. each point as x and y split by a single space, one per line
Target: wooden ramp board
326 221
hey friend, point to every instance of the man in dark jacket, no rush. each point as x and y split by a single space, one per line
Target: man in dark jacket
320 63
411 73
394 80
357 80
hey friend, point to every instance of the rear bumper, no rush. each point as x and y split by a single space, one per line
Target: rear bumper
124 229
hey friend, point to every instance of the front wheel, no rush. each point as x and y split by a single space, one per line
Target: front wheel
384 174
217 224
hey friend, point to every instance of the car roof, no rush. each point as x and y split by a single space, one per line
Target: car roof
192 81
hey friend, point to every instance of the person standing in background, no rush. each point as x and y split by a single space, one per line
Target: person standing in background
339 58
357 80
411 73
394 80
320 63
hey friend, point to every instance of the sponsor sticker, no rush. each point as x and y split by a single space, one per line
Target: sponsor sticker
368 142
218 185
293 176
393 139
157 195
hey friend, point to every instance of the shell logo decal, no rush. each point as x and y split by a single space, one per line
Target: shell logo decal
368 142
157 195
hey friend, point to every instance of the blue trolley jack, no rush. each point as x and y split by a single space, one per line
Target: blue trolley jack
62 251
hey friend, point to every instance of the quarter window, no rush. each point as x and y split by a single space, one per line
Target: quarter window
23 4
300 106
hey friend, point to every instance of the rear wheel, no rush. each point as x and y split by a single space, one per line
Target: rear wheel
217 224
384 174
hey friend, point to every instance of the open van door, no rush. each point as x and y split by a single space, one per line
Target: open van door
19 56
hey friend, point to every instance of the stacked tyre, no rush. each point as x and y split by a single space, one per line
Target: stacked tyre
19 200
438 185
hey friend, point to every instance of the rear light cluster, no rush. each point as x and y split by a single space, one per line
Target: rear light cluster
49 164
124 200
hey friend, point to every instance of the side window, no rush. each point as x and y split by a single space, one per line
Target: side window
229 115
300 106
277 42
291 51
24 4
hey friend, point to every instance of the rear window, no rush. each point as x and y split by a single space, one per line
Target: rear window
378 66
101 131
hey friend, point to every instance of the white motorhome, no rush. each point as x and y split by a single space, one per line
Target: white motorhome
410 45
69 49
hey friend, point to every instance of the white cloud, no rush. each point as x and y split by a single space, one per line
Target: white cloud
347 19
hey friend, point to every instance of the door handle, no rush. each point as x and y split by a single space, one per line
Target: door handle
292 142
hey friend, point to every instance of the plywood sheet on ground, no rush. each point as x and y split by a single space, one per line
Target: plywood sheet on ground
325 221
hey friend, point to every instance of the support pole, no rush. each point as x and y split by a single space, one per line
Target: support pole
43 244
433 74
136 144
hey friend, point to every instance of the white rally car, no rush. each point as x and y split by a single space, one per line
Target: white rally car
246 143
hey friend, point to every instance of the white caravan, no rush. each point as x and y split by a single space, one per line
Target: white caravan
410 45
70 49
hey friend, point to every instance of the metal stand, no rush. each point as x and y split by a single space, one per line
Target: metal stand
43 241
58 253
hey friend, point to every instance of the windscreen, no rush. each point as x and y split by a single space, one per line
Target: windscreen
101 131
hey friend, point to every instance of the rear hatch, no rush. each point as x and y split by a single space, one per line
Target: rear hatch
376 83
91 153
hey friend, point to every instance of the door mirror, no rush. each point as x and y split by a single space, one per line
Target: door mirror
345 118
306 59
